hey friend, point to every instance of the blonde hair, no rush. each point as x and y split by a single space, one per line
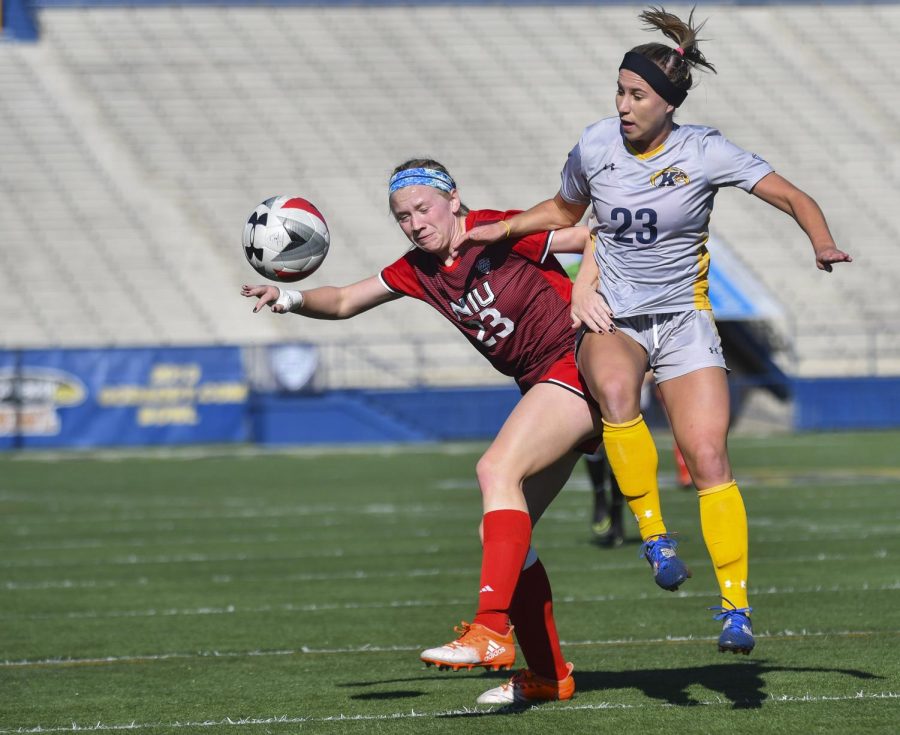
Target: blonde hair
676 65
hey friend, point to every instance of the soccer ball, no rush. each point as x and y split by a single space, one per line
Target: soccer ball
285 239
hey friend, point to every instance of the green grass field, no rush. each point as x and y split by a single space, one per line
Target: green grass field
291 592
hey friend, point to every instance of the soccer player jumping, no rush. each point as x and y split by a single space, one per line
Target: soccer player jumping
651 183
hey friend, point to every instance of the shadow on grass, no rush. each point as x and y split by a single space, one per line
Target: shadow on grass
742 685
399 694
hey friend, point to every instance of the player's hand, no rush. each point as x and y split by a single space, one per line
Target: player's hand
828 257
589 309
479 235
265 295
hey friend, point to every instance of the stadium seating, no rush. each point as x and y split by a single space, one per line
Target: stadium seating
137 140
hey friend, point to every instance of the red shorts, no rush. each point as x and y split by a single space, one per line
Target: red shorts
564 373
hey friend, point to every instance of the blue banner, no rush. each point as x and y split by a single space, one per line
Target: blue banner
17 20
122 397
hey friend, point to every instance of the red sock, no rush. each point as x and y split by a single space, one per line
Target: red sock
507 536
532 615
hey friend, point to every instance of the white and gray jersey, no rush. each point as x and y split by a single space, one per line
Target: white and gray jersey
653 211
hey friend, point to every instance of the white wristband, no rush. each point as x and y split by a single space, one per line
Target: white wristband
290 300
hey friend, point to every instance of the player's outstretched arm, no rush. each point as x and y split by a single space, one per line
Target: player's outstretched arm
588 307
552 214
325 302
782 194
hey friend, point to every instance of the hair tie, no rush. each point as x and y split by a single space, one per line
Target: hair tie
679 51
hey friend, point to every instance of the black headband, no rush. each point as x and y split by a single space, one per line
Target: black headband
654 76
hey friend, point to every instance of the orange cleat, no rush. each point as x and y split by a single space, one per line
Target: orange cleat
684 475
476 646
526 686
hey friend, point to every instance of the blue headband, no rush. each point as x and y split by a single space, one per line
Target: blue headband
421 177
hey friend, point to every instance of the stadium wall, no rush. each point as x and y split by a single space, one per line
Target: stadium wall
442 414
17 20
823 404
81 398
418 415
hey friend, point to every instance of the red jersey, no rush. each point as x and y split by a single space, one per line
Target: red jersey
510 298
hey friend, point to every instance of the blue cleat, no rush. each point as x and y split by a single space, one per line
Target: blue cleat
737 631
668 570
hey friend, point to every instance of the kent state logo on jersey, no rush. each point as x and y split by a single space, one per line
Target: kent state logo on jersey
670 176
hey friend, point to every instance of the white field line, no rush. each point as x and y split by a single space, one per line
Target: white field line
865 533
339 512
762 531
785 635
123 509
849 533
397 604
802 484
334 524
134 559
548 709
190 454
362 574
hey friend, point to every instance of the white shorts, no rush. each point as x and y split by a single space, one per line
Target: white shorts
678 343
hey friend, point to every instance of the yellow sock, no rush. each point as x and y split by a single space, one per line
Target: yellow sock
632 457
724 522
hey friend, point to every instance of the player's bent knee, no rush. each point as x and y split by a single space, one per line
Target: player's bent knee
494 475
619 399
708 461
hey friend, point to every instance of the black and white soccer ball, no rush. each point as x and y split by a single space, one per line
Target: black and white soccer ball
286 238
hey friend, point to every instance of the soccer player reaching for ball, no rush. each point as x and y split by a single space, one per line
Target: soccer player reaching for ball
512 302
651 184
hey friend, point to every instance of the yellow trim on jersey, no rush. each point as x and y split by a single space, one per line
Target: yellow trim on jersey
644 156
701 283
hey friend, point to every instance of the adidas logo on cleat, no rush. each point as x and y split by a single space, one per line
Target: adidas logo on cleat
668 553
486 588
475 646
493 650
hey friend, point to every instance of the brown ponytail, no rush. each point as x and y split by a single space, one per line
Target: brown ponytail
677 66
